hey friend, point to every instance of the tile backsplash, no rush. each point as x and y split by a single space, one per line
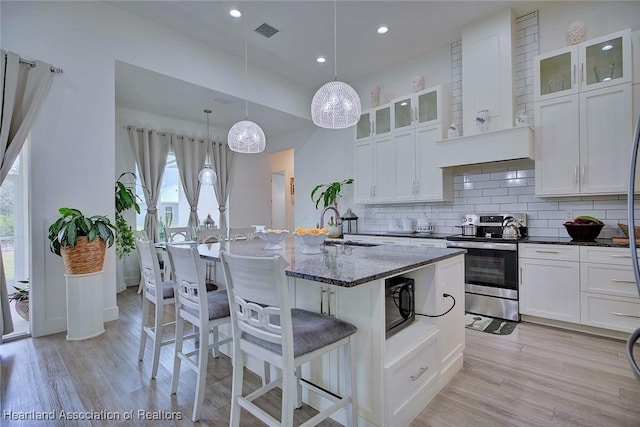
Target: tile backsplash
504 187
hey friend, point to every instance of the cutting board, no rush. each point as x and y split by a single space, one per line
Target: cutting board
623 241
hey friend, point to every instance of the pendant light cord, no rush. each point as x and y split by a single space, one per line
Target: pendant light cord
246 67
206 158
335 41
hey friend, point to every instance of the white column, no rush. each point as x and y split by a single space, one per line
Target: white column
84 306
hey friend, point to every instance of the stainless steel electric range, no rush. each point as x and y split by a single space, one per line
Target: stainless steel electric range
491 262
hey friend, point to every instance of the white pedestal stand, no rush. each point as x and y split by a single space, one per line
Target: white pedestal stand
84 306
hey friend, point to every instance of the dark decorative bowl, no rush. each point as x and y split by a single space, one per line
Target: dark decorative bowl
584 232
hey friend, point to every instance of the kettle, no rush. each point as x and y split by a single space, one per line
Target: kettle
510 228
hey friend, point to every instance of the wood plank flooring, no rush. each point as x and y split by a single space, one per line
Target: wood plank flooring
536 376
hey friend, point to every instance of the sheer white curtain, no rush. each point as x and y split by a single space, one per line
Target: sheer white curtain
23 87
150 149
224 163
190 158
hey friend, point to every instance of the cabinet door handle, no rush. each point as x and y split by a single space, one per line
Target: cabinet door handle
623 281
329 302
372 127
574 74
546 252
423 369
615 313
620 256
582 174
322 292
582 75
575 174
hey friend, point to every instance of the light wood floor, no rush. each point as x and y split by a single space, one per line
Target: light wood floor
535 376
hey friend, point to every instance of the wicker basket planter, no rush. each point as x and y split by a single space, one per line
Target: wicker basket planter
86 257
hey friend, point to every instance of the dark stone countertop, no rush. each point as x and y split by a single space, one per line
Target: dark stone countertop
571 242
339 265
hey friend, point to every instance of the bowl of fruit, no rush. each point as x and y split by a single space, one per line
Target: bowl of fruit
273 237
311 239
584 228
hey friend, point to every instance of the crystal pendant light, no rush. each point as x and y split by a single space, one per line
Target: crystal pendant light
335 105
207 175
246 136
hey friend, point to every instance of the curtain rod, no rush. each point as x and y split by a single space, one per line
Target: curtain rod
33 64
165 133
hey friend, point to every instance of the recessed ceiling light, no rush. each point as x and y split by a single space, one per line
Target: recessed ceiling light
383 30
235 13
607 47
403 103
321 59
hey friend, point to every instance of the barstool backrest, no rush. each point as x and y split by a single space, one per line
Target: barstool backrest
150 271
258 298
177 234
190 286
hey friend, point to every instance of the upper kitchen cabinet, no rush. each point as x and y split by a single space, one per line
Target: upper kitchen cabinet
487 72
583 142
421 108
374 122
593 64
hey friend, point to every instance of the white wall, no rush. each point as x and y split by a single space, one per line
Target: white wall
283 161
600 17
73 140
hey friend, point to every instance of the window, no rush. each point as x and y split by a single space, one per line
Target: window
14 232
173 208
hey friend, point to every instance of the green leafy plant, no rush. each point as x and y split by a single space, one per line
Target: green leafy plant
73 224
20 294
126 199
330 194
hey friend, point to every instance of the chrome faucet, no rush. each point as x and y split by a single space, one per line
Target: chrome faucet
325 211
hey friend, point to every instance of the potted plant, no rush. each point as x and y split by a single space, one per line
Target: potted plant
21 298
126 199
81 241
330 194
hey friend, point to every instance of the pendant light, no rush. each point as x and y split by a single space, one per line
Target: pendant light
246 136
207 175
335 105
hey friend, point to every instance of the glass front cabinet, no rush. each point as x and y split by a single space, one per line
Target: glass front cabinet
374 122
418 109
593 64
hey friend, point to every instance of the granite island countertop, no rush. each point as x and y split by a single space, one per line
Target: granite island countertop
339 265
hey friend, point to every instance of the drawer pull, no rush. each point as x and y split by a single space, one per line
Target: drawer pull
547 252
623 281
422 371
620 256
615 313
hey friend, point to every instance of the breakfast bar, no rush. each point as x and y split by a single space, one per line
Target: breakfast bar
398 375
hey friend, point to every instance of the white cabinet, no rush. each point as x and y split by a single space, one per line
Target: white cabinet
400 165
583 142
584 117
609 296
550 282
593 64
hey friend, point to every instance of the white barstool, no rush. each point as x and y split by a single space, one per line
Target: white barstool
205 310
265 327
155 292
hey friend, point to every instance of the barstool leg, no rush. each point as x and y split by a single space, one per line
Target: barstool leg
157 340
203 357
236 385
350 388
178 349
289 395
143 333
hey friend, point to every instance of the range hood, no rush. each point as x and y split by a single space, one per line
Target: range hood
506 144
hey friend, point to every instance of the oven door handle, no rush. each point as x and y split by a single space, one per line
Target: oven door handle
483 245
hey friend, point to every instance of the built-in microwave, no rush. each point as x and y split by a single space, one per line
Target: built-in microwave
399 304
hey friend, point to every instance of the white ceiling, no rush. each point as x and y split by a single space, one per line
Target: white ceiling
305 31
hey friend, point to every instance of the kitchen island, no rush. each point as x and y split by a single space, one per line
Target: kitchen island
398 376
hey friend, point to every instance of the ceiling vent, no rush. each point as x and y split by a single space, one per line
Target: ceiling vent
266 30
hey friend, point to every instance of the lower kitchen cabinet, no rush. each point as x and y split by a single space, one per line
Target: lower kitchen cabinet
549 285
609 296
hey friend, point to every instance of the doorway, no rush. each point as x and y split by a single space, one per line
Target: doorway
278 206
